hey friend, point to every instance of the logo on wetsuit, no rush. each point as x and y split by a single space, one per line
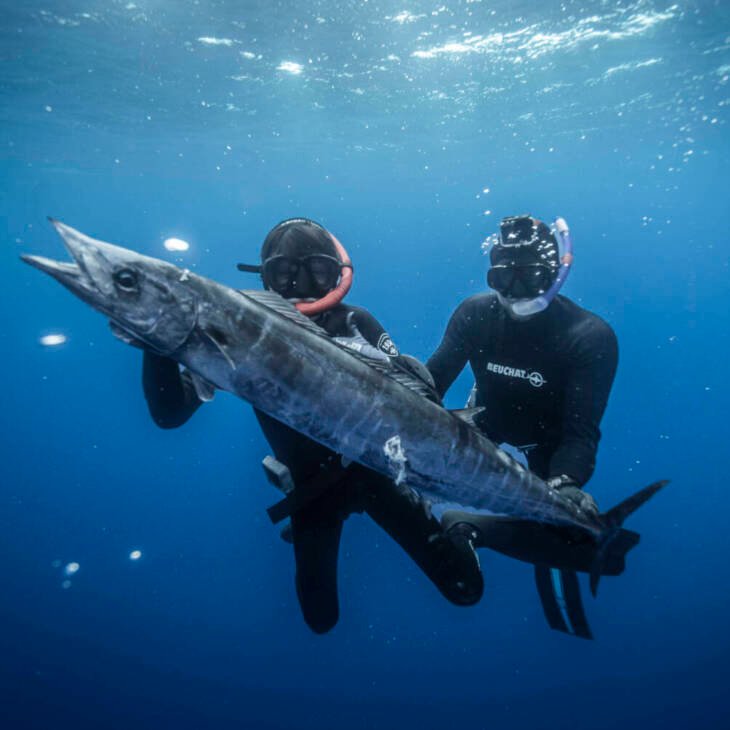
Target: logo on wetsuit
533 376
386 345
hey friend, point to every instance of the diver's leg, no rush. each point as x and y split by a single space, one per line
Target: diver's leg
448 560
316 531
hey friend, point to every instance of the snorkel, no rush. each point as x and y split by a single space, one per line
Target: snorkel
522 308
332 298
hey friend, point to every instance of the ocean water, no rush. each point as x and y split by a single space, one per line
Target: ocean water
408 128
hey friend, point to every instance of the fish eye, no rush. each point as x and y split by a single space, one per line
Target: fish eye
126 279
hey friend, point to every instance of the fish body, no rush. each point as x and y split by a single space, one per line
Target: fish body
257 346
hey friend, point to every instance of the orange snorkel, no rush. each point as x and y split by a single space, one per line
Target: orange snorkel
334 297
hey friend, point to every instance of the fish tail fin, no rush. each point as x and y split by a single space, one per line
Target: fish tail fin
614 542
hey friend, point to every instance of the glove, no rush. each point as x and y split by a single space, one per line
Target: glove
569 489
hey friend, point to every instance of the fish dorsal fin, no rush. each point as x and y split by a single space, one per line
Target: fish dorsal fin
468 414
391 370
386 366
204 389
285 308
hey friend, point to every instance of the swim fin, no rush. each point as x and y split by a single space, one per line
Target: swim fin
559 593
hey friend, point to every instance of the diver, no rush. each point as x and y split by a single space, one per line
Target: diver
543 370
543 366
304 263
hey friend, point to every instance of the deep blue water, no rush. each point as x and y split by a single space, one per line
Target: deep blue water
386 121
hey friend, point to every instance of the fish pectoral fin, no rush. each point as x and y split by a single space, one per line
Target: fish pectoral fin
468 414
204 389
218 339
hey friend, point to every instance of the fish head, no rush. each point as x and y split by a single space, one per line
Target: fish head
149 299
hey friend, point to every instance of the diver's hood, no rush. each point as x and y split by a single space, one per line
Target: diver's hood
523 308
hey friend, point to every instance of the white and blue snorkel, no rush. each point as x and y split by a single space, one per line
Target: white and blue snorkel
528 307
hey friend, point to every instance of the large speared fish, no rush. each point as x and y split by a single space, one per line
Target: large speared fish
257 346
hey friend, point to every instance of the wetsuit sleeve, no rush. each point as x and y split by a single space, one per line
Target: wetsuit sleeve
453 352
586 395
170 394
374 332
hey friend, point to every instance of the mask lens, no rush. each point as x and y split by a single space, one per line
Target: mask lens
520 282
280 271
536 279
324 271
500 278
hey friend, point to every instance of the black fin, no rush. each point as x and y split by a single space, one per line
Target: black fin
561 601
550 607
284 307
616 516
612 520
574 604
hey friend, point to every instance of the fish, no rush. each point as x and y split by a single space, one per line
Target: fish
259 347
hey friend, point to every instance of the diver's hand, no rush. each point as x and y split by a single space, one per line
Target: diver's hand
568 488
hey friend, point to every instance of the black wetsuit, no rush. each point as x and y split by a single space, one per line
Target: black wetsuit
317 526
543 382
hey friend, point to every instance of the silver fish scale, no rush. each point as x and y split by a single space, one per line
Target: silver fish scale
350 407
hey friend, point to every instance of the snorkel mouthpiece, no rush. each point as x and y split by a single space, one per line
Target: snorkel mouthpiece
529 307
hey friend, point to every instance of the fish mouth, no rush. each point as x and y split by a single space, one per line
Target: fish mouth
78 276
156 309
60 270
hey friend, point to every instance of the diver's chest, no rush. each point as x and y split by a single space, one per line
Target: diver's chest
520 367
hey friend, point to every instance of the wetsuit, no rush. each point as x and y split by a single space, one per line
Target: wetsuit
316 527
543 382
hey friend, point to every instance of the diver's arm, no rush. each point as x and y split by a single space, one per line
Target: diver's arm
587 391
453 353
375 334
170 394
373 331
